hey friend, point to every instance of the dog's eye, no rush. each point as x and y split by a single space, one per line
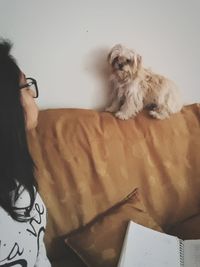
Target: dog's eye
128 61
114 61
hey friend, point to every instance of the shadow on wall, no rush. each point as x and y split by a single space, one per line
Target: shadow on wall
97 66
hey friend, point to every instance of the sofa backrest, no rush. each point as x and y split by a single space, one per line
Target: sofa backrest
88 161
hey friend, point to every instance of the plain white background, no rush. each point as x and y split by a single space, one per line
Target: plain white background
64 43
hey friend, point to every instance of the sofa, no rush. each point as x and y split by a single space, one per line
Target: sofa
96 173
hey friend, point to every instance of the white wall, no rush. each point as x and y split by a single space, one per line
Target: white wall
62 43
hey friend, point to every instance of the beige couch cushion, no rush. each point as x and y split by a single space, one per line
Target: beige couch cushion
100 242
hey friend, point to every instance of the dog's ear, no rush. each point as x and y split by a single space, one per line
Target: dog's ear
109 57
115 51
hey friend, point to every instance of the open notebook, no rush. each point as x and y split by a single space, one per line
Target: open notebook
144 247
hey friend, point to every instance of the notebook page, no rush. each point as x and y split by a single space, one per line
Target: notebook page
192 253
121 259
148 248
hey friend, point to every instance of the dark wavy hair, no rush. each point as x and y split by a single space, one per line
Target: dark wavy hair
16 164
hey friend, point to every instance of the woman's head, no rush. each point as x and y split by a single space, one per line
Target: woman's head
18 111
14 87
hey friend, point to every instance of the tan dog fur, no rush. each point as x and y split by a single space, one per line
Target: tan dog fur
134 87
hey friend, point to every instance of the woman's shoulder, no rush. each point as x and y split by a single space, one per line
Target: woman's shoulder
25 236
23 201
22 205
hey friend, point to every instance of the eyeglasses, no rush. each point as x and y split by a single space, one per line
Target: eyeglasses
31 85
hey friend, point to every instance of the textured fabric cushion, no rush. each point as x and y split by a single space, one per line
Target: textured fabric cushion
69 258
100 243
89 161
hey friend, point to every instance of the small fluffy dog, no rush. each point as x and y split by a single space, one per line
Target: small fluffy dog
135 88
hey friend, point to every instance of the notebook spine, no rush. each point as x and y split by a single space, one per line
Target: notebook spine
181 251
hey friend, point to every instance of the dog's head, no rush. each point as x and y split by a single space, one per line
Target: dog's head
124 63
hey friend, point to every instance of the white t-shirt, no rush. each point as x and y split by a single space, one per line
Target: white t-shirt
21 243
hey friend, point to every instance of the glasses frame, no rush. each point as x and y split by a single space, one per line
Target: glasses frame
32 81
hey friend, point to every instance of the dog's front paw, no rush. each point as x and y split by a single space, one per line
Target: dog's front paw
122 116
159 115
110 109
